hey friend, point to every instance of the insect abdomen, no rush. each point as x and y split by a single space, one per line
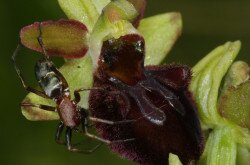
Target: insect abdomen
48 80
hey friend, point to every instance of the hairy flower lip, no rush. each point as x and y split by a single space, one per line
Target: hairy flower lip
180 133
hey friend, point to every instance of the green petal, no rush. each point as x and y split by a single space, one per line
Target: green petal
65 38
78 74
86 11
207 77
160 33
220 148
238 73
120 10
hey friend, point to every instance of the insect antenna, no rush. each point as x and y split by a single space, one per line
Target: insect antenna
40 41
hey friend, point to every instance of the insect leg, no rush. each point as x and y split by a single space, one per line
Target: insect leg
68 140
26 87
94 119
104 140
86 118
77 93
73 149
59 130
41 106
94 148
124 97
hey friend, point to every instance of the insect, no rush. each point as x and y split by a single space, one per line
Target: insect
158 94
54 86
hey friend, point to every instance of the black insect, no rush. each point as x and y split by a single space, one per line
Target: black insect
55 87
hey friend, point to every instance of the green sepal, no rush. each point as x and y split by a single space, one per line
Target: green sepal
78 74
160 33
220 148
207 77
85 11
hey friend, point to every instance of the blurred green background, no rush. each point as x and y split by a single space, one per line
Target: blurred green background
207 24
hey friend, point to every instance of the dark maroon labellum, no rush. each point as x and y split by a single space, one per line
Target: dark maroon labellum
156 97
